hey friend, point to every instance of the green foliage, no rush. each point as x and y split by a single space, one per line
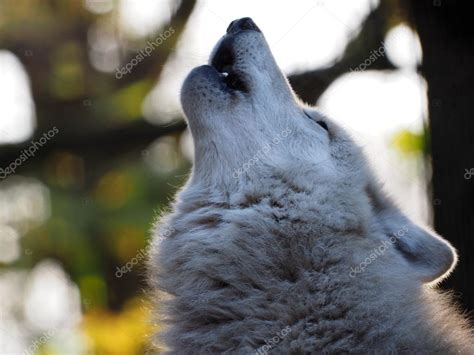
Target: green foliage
408 142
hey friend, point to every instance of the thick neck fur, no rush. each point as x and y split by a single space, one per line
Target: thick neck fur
299 252
274 256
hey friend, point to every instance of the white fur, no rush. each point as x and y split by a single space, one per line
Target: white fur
273 248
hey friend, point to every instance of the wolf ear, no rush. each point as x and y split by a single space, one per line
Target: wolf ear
431 257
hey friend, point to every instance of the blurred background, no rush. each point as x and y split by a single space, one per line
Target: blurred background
93 144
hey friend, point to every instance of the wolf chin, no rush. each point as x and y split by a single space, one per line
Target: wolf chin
294 248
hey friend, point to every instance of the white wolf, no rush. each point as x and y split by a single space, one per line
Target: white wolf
282 240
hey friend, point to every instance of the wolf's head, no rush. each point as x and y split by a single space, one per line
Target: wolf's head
254 138
245 118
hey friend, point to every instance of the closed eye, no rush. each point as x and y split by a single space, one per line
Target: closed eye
323 124
320 122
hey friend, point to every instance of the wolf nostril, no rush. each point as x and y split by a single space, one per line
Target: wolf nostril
245 23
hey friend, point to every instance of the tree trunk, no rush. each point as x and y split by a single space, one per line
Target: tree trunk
446 32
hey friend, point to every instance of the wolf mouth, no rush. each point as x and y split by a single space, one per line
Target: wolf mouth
224 59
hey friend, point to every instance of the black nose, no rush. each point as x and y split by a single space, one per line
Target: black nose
241 24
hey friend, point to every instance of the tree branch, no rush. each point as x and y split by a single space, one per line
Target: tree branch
311 85
103 145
